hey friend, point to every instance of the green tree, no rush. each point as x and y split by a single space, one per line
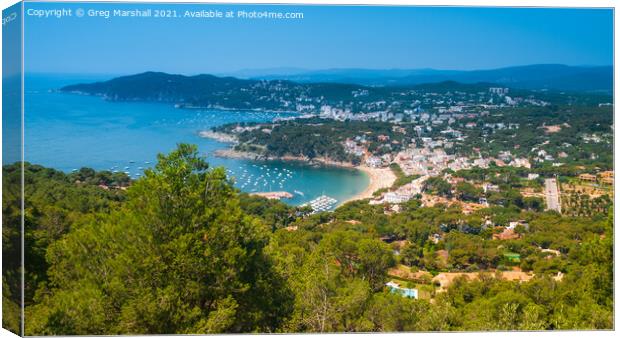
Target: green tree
179 257
468 192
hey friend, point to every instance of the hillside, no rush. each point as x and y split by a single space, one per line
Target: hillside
278 95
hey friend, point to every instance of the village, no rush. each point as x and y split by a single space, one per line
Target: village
429 156
430 135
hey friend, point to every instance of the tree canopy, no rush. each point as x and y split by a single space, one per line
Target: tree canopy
180 250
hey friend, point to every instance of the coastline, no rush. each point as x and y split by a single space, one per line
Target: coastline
254 110
220 137
379 178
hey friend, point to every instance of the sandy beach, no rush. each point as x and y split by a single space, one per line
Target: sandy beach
379 178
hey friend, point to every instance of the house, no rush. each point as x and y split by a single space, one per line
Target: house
374 162
521 162
552 253
514 224
507 234
498 90
445 279
490 188
608 180
435 238
587 177
393 197
386 158
482 163
470 125
487 224
383 138
607 177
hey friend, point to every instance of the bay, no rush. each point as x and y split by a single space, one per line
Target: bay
69 131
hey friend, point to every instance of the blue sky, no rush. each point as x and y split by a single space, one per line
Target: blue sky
327 37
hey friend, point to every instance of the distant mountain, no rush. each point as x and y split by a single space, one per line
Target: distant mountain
349 75
251 94
215 92
157 86
444 87
257 73
543 76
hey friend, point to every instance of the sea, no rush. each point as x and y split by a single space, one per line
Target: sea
70 131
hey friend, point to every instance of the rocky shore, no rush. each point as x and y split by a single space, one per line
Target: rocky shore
244 155
221 137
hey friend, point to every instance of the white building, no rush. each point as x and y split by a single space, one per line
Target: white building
396 198
498 90
374 162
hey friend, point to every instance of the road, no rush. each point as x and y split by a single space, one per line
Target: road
552 194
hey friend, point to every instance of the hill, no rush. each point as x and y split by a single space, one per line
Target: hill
231 93
541 76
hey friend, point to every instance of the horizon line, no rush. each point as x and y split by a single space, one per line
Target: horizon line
304 70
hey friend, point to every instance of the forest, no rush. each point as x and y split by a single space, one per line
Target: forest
583 130
181 250
315 137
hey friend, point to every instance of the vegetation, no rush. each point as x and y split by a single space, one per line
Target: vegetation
315 137
438 186
401 177
181 251
576 123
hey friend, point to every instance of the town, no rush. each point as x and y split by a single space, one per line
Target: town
440 134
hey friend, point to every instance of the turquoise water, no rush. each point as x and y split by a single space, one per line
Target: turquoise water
68 131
